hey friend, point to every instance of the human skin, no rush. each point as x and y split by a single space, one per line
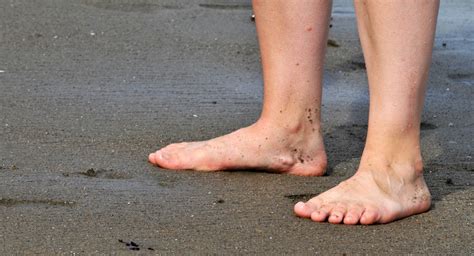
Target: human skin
287 136
397 40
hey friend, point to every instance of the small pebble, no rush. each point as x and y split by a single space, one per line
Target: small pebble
333 43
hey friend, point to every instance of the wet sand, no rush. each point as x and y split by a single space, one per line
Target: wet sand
90 87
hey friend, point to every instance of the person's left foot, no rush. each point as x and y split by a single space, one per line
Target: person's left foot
260 146
372 195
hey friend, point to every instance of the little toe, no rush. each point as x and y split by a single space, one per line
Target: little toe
370 216
304 210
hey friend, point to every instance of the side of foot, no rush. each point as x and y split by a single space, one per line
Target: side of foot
375 194
298 151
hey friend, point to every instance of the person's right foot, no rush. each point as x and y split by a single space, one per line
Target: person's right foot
298 151
382 190
361 199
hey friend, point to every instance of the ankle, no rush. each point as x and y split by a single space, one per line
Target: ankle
393 146
408 168
291 125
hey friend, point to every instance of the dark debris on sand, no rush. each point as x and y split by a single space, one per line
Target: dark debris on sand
133 246
333 43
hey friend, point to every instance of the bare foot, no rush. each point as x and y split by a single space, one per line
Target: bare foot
375 194
298 151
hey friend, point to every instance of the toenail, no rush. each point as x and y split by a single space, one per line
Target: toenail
300 204
164 156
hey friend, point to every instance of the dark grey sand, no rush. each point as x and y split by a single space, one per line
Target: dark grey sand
90 87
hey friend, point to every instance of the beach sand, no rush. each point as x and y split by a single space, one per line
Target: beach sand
90 87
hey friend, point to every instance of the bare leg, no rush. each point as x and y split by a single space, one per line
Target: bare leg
287 137
397 39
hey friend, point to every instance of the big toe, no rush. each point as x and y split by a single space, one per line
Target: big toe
151 158
303 210
163 159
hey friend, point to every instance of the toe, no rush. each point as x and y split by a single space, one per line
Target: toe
151 158
156 158
304 210
163 159
337 214
370 216
321 214
353 215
